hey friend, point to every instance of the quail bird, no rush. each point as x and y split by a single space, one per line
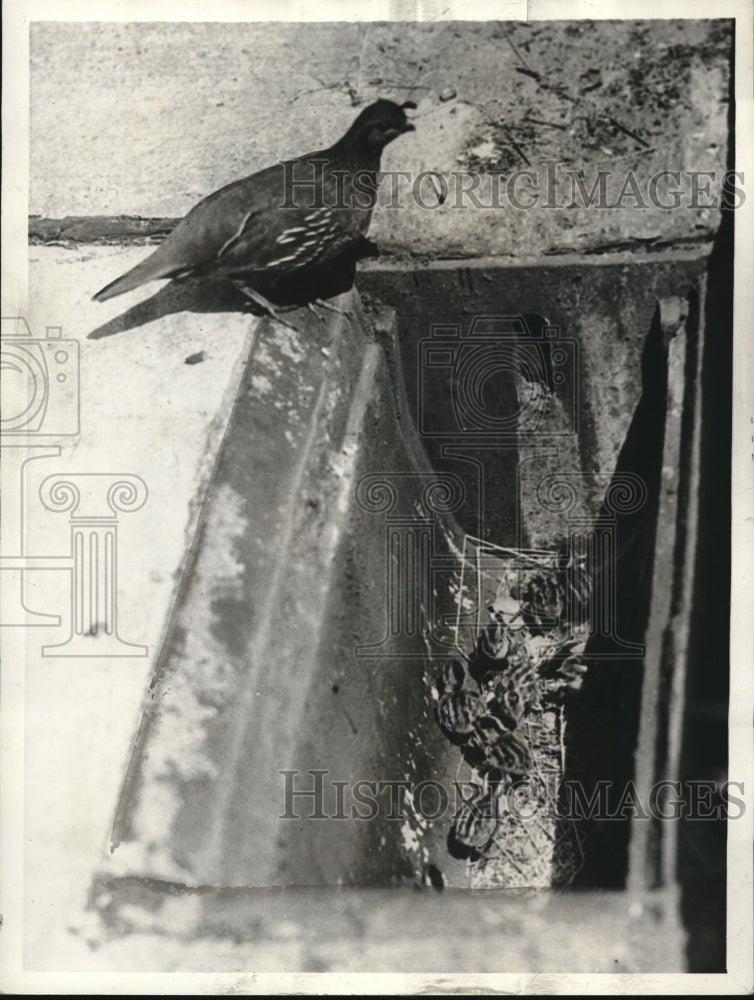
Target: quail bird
283 220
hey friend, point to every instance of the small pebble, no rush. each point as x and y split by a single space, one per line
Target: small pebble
195 359
447 93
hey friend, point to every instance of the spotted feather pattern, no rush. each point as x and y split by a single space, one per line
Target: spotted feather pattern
476 820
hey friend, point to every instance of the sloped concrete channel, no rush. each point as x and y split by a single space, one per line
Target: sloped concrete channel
325 582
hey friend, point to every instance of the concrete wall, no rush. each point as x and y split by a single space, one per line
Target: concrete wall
145 119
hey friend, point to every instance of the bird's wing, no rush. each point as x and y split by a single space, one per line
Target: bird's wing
257 224
300 222
283 243
194 245
219 222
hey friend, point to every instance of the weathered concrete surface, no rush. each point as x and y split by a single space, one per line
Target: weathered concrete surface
204 797
146 119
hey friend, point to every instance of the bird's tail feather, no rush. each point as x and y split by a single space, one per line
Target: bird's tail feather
139 275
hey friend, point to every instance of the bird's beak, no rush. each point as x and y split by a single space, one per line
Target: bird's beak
393 133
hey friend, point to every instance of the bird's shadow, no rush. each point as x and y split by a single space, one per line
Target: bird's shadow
210 294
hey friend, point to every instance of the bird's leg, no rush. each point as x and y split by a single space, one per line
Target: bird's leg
330 308
313 308
263 303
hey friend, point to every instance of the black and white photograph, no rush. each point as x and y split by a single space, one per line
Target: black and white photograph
377 531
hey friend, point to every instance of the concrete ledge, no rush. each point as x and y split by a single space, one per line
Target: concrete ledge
103 229
379 930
